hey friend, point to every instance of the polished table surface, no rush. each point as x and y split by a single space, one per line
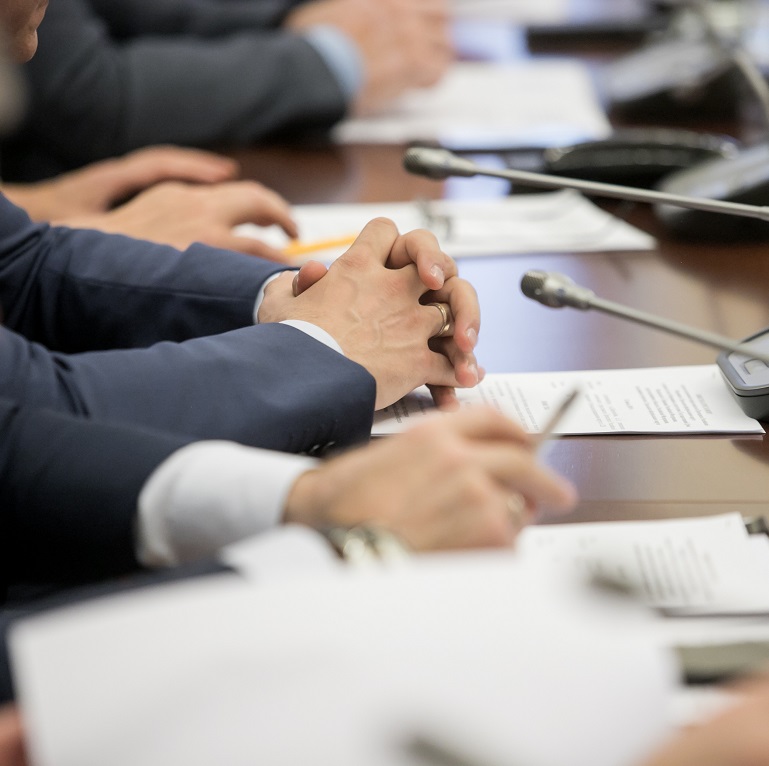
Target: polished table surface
722 288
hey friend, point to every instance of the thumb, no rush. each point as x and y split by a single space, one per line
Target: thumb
310 273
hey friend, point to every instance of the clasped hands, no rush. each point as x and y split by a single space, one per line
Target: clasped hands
469 479
374 302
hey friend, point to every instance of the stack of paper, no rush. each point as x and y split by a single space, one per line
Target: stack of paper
560 13
561 221
691 566
480 105
520 11
467 652
655 400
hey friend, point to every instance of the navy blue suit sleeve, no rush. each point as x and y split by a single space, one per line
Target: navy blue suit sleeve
93 95
75 290
268 386
72 298
68 493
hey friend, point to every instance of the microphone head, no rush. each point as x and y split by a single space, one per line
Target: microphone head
436 163
555 290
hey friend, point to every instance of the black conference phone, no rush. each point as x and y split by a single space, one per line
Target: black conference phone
742 178
748 378
675 161
632 156
637 157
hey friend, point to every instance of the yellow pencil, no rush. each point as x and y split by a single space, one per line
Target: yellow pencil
298 247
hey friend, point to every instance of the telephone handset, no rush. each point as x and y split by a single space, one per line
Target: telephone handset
741 178
637 157
748 378
675 161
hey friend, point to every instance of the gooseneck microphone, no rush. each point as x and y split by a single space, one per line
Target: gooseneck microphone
557 290
440 163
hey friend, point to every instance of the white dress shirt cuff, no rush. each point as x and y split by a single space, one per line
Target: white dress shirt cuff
314 332
260 294
210 494
306 327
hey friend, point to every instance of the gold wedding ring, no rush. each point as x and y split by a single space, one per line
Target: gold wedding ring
445 319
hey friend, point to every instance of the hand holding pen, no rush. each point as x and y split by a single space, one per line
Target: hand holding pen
518 508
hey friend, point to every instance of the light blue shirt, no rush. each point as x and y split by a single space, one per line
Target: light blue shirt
341 55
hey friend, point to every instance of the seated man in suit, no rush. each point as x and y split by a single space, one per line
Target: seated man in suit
116 75
121 331
82 500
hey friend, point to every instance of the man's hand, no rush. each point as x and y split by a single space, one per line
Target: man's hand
466 479
403 43
98 187
179 214
439 274
12 752
377 314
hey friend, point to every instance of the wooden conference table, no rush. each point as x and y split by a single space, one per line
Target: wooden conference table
722 288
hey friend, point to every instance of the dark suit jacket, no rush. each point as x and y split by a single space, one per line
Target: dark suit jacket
69 489
114 75
116 329
105 338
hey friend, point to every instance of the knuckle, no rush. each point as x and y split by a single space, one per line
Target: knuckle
356 259
253 187
398 284
384 222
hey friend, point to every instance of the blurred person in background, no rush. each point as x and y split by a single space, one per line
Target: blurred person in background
116 75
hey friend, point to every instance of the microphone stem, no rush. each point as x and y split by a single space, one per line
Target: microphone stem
684 331
598 189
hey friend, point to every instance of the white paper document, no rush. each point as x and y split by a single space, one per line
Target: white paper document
560 13
562 221
346 670
707 565
520 11
655 400
480 105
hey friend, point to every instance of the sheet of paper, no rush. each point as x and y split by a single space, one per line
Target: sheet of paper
345 669
520 11
289 550
480 105
697 565
655 400
562 221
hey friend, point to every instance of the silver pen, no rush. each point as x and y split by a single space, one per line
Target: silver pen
548 430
